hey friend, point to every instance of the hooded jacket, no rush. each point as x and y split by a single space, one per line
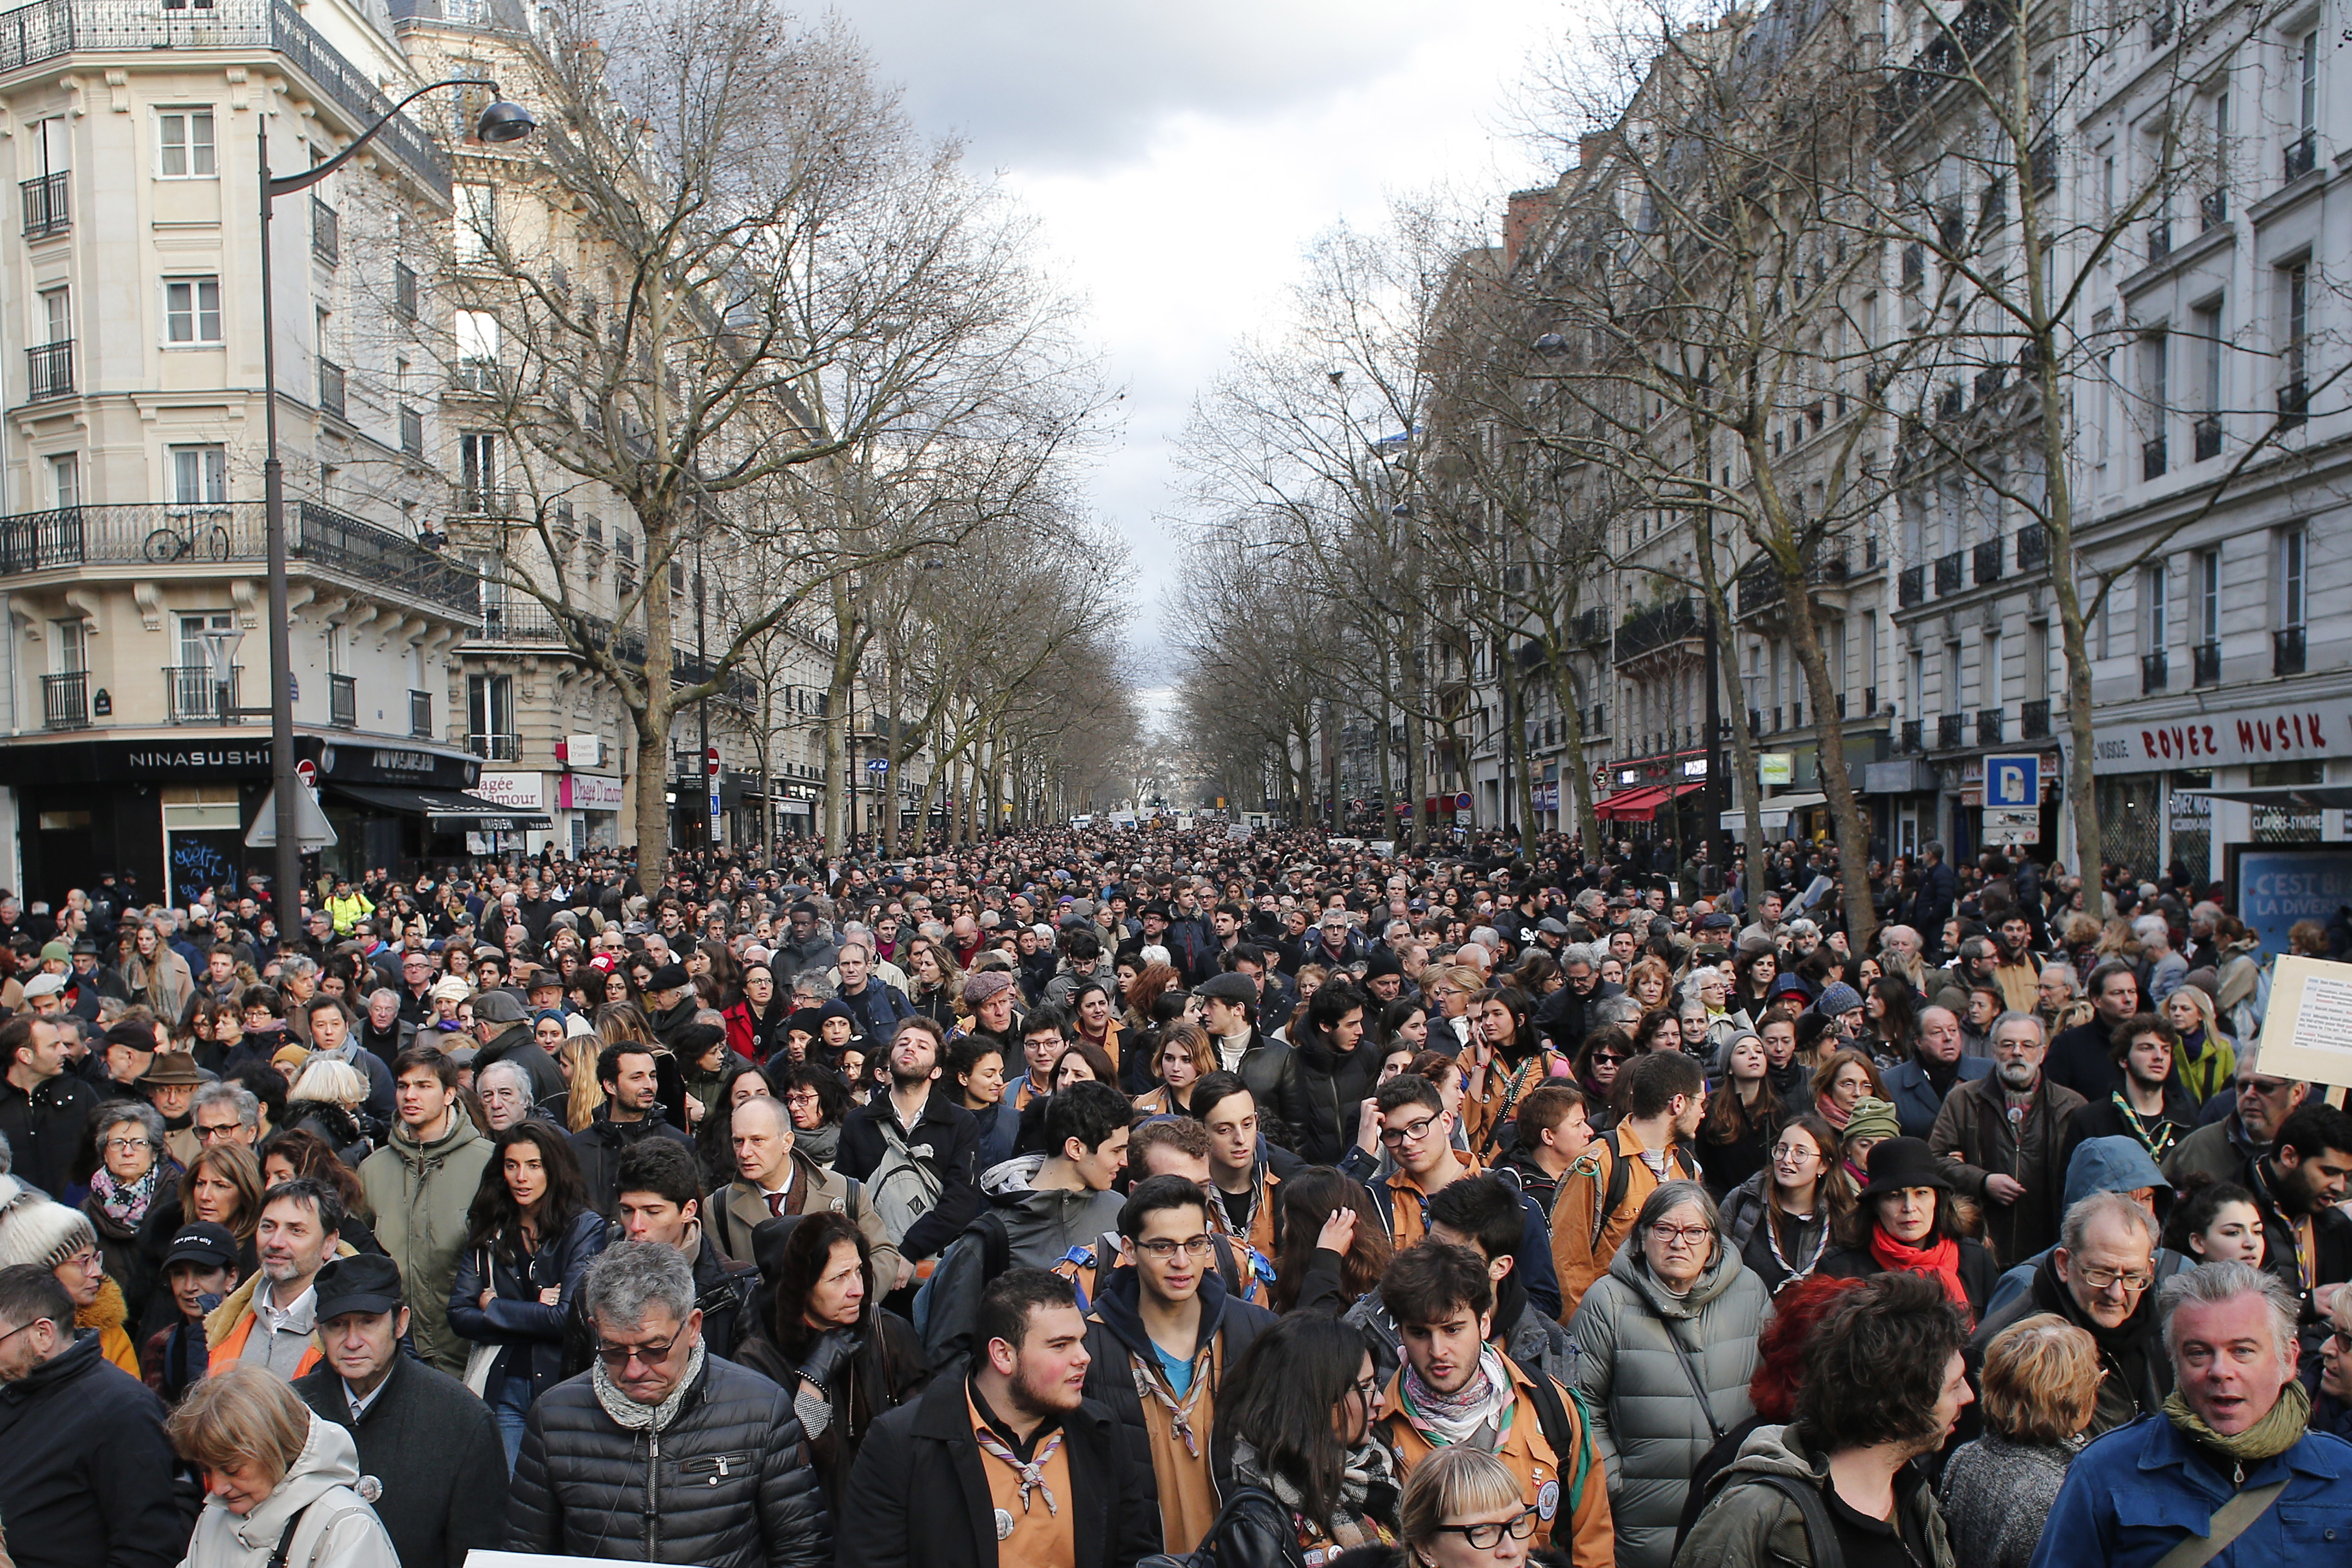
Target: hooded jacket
1041 1226
88 1479
1639 1350
420 1193
1749 1523
333 1528
2102 1165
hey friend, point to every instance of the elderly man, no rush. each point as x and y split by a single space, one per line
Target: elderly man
2229 1473
743 1493
874 1007
2099 1278
1565 1018
1919 1087
505 1091
775 1178
2221 1150
2009 1162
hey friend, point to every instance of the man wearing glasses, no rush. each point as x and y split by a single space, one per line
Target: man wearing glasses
89 1472
2219 1151
1161 1336
665 1450
225 1113
2100 1277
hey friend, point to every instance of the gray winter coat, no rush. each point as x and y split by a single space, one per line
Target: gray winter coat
1040 1227
1997 1494
1638 1353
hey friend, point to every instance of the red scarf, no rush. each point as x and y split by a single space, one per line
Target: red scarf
1942 1260
1833 1113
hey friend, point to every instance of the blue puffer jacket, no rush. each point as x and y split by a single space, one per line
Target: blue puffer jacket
2135 1494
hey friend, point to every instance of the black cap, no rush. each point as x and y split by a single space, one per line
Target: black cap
201 1241
668 977
364 1282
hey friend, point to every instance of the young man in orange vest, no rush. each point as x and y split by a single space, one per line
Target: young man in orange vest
268 1321
1418 1131
1665 1096
1455 1388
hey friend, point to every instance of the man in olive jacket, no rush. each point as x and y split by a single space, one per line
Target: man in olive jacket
420 1184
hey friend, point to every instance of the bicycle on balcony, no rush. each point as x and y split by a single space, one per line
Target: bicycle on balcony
192 540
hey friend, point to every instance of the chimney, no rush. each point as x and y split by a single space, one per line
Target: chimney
1524 211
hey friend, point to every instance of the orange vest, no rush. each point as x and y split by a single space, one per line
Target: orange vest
1409 1205
1548 1479
232 1346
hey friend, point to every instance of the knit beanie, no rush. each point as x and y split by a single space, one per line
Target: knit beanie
36 1231
1837 998
1873 1117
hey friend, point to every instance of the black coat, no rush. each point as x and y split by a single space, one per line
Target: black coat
1331 1089
887 1371
532 1331
1270 1070
46 1128
434 1448
729 1485
946 1137
599 1146
918 1498
86 1478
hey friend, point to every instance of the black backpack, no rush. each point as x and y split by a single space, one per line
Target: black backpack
1249 1501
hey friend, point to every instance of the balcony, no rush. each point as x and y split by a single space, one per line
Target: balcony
2205 664
2155 672
1987 562
1988 726
344 702
330 390
49 29
48 372
47 209
2208 437
326 234
495 748
2287 650
2033 720
420 715
64 701
1951 731
1911 587
1948 574
1674 621
190 695
1760 585
1913 736
2151 458
2033 547
1590 627
2302 157
486 500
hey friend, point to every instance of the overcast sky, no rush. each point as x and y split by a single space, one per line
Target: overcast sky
1182 156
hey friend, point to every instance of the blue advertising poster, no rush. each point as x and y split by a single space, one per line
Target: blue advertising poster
2277 887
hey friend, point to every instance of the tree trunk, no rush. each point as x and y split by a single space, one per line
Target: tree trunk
1837 782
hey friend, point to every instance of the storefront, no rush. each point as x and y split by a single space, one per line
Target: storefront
412 807
593 804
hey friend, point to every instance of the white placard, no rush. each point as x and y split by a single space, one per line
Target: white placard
2307 1033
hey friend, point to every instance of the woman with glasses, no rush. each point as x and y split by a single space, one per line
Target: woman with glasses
1297 1414
1598 1061
1463 1507
1668 1343
129 1174
1778 1220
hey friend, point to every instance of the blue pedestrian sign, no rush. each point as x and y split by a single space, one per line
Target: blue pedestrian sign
878 765
2014 782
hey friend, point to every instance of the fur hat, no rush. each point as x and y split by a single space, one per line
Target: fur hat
35 1230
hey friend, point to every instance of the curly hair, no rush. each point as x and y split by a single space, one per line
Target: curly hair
1874 1369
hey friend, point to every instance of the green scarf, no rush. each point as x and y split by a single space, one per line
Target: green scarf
2267 1438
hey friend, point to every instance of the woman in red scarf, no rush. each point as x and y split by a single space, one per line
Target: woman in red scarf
1903 1220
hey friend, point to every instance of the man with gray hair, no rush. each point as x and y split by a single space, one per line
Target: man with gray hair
2230 1477
2001 1136
1563 1018
742 1492
505 1091
2100 1277
225 1113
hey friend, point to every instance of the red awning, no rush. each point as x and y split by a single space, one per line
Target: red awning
1642 805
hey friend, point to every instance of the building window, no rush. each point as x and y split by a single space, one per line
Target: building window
185 146
2211 371
199 476
72 645
2209 596
2293 544
477 470
477 218
56 314
478 350
2155 591
65 479
490 716
192 310
2294 337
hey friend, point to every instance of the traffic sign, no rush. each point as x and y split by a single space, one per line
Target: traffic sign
2013 781
308 771
711 760
2005 825
878 765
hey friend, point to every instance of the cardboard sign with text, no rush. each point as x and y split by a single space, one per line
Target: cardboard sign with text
2307 1033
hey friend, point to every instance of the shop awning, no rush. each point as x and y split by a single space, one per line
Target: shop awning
1642 805
1776 812
450 808
2317 797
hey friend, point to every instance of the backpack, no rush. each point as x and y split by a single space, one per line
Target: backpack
1246 1500
1551 1416
901 1188
1821 1532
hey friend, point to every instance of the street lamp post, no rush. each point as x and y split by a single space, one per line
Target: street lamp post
501 121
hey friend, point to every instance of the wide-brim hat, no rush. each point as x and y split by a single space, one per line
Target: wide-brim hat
1900 1162
173 1069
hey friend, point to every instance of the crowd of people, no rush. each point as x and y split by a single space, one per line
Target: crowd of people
1084 1197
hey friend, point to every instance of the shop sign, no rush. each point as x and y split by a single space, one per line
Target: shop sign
2241 736
1777 767
589 792
2011 825
515 788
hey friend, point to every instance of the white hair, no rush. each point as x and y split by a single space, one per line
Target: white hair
2211 1284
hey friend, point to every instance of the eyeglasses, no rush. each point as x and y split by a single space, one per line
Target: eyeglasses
126 1145
2277 1086
1793 1154
1165 1247
2100 1278
20 1328
1369 1388
646 1355
1607 1056
1484 1537
207 1132
1685 1234
1414 1133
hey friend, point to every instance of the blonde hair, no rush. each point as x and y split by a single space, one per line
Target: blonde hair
2041 1380
337 1082
1448 1484
579 1060
239 1414
2196 997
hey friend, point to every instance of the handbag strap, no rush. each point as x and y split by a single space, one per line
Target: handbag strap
2231 1521
1821 1532
286 1541
1690 1370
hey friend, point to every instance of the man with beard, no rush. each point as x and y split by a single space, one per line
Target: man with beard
2100 1277
1565 1018
268 1321
2017 968
2001 1137
2298 1186
631 1112
2151 1106
1010 1466
1919 1087
929 1129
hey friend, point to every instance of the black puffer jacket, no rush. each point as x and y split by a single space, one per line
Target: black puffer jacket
727 1485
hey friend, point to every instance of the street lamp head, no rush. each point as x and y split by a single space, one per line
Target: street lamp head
504 122
1550 343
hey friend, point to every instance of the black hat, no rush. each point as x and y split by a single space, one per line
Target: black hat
1384 960
1229 987
364 1282
1900 1162
201 1241
669 977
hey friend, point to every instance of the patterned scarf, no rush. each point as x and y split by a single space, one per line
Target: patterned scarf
1032 1473
2159 1143
124 1203
1150 1383
1485 1402
1369 1469
628 1413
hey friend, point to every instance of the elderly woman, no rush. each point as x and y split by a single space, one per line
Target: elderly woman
325 1098
1903 1220
2040 1383
131 1178
1668 1344
277 1479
